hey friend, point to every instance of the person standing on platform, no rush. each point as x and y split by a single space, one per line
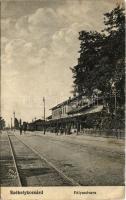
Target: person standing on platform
20 130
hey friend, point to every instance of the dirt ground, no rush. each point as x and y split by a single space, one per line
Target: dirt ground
91 161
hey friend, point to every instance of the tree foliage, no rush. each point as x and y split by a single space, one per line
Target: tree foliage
101 62
2 123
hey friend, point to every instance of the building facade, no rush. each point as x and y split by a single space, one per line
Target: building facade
70 115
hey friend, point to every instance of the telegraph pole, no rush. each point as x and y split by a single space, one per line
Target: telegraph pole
115 97
11 123
14 120
44 112
115 102
97 98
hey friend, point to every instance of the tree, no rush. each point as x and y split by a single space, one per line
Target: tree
90 53
101 62
115 50
2 123
16 123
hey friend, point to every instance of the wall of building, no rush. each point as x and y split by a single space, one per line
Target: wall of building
56 113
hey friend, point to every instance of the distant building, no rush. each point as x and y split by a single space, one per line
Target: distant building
37 125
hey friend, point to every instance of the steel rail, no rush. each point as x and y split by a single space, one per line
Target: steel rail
14 159
74 183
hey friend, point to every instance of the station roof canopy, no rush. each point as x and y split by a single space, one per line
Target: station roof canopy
66 102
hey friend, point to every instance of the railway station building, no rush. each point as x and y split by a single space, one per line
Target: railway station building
72 115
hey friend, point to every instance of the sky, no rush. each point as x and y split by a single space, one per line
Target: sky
39 44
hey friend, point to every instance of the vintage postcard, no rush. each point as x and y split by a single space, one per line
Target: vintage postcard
62 121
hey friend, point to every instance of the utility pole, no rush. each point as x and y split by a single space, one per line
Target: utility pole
97 98
11 123
115 102
44 113
35 125
115 96
14 120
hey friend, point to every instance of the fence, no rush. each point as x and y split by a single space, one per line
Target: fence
114 133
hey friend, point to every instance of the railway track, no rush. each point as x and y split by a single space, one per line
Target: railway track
8 174
15 164
33 169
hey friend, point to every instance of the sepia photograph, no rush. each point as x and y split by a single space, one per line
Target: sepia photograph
62 120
